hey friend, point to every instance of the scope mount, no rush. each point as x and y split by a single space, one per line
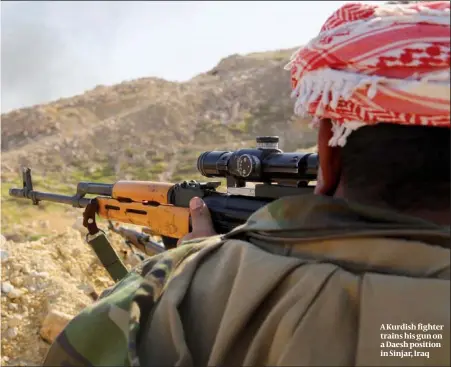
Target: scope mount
247 163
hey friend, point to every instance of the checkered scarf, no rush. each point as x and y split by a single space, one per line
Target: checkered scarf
376 63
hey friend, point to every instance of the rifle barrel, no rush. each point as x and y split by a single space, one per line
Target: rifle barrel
75 201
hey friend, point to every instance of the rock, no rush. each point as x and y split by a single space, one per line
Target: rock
15 293
17 281
4 327
37 274
53 324
25 301
16 266
104 280
90 290
29 282
75 272
14 237
76 252
4 254
11 333
44 224
7 287
15 321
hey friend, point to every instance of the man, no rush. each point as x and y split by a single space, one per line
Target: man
357 274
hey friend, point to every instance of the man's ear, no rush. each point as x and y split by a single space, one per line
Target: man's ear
329 161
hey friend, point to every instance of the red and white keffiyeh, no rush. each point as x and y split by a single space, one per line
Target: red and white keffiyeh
376 63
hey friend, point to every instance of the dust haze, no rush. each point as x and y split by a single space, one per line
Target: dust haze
51 50
56 49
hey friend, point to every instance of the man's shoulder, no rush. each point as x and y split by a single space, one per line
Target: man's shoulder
161 267
115 318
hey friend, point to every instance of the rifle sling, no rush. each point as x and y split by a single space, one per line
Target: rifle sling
107 256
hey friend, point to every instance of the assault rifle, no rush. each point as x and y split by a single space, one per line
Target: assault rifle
163 207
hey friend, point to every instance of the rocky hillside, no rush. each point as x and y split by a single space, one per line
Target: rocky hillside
45 283
150 121
151 128
141 129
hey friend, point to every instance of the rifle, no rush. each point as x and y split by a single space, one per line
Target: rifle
133 238
164 207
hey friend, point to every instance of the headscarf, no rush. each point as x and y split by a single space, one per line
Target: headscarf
376 63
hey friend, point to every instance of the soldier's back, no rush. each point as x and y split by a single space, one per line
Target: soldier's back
336 302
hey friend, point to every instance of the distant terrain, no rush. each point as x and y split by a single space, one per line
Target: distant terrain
146 129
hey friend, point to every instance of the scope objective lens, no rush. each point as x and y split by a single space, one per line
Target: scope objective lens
209 163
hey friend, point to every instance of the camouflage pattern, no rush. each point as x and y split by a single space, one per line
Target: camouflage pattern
106 333
114 318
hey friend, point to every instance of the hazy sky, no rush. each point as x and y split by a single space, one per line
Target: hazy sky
58 49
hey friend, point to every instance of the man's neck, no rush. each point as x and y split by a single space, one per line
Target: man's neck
441 218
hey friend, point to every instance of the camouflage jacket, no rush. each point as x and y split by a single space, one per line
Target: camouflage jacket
107 333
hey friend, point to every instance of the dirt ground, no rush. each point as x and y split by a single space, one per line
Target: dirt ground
54 273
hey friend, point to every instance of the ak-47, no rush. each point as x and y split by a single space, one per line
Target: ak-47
163 207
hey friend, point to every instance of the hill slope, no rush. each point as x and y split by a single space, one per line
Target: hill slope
151 129
149 121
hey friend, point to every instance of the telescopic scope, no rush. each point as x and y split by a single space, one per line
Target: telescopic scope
265 163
